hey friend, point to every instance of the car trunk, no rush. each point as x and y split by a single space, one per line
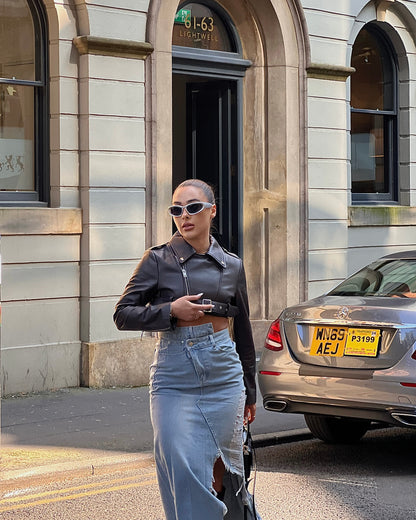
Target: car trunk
370 333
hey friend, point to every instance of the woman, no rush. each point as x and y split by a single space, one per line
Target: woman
202 384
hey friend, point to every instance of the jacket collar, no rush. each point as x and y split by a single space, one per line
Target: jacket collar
184 251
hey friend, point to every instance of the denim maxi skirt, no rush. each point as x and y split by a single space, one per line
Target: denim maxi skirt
197 400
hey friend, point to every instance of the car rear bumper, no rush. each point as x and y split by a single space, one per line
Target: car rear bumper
395 415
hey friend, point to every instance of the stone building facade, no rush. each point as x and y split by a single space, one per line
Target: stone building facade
302 114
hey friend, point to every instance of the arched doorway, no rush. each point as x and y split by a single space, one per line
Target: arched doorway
267 73
207 135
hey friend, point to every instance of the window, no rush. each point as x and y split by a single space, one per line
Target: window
23 104
373 118
199 26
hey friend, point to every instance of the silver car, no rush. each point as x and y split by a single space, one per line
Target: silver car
348 358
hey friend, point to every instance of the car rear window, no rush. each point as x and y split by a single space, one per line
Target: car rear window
382 278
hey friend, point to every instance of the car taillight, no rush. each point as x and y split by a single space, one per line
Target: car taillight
274 339
404 383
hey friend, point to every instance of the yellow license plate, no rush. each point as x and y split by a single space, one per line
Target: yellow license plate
362 342
329 341
342 341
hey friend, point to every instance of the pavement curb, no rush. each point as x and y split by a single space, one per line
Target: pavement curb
272 439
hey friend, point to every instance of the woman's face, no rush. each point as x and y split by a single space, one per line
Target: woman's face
193 227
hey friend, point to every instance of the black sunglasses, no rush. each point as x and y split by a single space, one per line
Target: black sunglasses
192 209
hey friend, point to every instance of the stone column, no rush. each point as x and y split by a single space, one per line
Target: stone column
112 183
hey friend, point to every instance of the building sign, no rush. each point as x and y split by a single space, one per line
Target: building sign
182 15
200 27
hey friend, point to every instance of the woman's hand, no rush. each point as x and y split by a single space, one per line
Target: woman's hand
249 413
185 310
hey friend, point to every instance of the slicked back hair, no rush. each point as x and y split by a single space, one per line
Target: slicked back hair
197 183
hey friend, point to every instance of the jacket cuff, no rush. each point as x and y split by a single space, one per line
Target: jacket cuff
250 384
173 319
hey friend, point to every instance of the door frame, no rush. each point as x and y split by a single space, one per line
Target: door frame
221 117
226 66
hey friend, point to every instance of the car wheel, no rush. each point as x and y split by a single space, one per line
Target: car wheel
336 429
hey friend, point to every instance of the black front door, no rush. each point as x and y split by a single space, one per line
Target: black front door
205 146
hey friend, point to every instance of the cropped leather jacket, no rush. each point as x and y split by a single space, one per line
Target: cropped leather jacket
174 269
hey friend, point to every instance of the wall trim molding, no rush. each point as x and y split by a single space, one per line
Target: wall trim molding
330 72
112 47
369 216
40 221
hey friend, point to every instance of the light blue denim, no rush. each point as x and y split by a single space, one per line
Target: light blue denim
197 402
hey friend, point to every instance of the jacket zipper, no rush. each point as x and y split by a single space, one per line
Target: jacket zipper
184 273
185 278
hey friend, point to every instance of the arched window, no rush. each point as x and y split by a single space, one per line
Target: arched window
24 142
201 26
373 118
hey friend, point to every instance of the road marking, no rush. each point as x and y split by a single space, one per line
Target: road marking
74 496
335 480
21 497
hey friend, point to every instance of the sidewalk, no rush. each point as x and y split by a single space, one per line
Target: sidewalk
84 431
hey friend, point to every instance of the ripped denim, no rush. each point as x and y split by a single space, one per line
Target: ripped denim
197 402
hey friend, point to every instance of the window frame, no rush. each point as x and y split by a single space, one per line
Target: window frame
40 196
390 125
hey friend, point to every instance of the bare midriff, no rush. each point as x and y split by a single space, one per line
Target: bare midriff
218 322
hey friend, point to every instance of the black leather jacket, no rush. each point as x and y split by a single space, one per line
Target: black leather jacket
174 269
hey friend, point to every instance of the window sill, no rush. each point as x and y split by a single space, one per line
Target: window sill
368 216
40 221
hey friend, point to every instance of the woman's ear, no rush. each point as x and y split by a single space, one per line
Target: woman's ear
213 211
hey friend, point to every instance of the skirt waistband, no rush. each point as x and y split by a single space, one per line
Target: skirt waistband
198 331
